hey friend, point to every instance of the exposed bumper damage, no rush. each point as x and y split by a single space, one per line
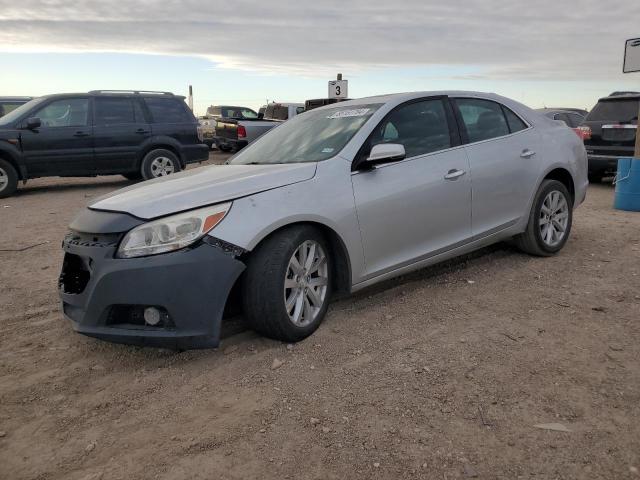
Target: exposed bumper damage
106 297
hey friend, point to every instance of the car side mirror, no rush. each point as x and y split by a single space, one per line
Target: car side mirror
33 123
384 153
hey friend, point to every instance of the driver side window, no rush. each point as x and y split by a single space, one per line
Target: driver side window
421 127
69 112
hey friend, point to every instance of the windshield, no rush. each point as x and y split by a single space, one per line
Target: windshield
18 112
309 137
615 111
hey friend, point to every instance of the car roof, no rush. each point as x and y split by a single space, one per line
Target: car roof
395 99
115 93
26 99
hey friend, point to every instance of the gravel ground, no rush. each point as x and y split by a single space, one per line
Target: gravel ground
442 374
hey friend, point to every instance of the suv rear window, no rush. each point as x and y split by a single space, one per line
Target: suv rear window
615 110
168 110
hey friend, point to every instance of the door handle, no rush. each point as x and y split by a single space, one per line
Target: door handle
526 153
81 134
454 174
142 130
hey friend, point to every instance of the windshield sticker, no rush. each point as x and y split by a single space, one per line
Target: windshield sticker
359 112
327 150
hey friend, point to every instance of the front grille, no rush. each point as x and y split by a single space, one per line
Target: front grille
75 275
92 239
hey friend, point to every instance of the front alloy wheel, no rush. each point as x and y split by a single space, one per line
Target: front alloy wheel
306 282
287 284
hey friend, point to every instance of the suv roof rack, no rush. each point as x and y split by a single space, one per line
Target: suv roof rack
135 92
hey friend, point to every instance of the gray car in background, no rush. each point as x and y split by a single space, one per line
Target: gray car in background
330 202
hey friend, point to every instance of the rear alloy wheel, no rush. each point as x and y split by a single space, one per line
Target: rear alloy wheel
549 221
8 179
287 286
159 163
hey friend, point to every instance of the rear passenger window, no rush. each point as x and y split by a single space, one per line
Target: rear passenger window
420 126
483 119
113 111
168 110
515 122
575 120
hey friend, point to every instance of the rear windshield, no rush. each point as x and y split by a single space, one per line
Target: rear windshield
615 111
277 112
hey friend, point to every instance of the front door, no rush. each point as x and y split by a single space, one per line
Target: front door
120 129
421 206
63 144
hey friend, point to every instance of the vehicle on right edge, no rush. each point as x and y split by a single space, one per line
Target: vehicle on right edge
610 133
332 201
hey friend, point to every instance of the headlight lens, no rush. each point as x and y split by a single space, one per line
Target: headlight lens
171 233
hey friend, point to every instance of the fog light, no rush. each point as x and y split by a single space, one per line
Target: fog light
152 316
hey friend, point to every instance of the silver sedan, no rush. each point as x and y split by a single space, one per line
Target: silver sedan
335 200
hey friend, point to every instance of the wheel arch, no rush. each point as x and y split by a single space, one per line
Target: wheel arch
161 144
563 176
7 156
340 257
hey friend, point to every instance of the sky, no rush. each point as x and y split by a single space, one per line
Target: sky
542 53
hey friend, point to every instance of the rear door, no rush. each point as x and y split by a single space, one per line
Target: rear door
120 128
420 206
63 145
502 155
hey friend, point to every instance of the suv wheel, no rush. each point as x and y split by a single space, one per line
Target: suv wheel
549 221
159 163
287 287
8 179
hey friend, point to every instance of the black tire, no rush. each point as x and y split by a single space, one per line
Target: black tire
531 240
135 176
148 168
225 148
263 293
8 179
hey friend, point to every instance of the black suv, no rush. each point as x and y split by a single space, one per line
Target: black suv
610 132
135 134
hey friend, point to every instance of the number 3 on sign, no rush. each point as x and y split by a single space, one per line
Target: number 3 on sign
338 89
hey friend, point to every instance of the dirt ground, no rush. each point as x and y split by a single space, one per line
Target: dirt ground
439 375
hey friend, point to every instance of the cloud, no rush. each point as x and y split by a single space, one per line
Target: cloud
546 39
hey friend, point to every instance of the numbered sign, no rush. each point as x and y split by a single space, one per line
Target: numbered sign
338 89
631 56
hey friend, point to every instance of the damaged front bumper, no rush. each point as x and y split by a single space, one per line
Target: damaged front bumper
105 297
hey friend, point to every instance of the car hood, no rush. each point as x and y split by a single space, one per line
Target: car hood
199 187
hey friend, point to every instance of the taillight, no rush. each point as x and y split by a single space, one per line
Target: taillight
200 134
242 132
583 132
